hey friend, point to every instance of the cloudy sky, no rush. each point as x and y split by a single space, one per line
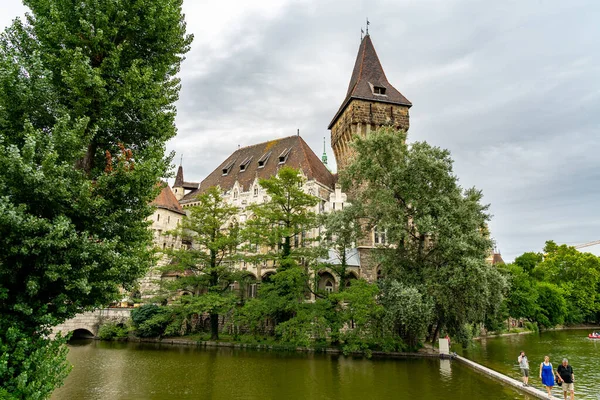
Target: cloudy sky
512 88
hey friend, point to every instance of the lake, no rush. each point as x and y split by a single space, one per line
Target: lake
583 354
116 370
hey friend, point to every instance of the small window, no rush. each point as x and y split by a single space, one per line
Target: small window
380 236
284 155
244 164
329 286
227 168
379 90
168 219
263 160
157 217
255 191
235 194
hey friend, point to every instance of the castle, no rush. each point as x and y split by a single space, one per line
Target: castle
370 102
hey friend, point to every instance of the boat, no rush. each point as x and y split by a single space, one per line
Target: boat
595 335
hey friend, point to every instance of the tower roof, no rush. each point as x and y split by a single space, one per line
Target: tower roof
367 76
179 177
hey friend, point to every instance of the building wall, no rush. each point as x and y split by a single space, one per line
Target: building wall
163 221
359 118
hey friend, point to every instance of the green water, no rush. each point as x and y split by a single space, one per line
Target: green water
131 371
583 355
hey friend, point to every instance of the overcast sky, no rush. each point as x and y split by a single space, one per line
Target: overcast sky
511 88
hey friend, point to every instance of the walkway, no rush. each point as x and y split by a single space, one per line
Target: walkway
537 393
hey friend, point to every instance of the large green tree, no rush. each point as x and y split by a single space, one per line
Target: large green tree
578 276
86 106
435 230
207 267
278 231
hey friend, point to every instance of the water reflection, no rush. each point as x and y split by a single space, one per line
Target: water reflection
152 371
445 370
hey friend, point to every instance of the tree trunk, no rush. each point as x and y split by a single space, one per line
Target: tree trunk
87 162
214 326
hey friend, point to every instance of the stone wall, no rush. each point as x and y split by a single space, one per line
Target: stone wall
361 117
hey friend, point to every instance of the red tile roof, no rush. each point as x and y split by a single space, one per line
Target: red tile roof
243 165
368 72
167 201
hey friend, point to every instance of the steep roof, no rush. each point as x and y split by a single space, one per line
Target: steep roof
179 177
367 74
262 160
179 182
167 200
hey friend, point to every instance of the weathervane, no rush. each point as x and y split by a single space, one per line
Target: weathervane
181 159
362 32
368 23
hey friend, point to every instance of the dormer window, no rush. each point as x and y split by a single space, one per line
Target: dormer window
227 168
284 155
244 164
263 160
377 89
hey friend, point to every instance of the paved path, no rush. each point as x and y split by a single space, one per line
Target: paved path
537 393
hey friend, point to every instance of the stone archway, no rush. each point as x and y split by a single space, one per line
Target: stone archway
266 277
327 282
82 333
350 277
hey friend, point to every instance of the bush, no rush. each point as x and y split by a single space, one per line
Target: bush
143 313
111 330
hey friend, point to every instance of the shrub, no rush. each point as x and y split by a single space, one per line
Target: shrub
112 330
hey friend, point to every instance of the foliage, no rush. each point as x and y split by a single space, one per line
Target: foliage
407 313
207 267
112 330
552 306
522 297
577 274
86 106
436 231
561 272
31 367
280 226
342 232
528 261
359 314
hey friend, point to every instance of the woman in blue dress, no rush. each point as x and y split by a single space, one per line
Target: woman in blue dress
547 375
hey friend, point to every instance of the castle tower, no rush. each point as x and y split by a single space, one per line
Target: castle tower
178 185
371 102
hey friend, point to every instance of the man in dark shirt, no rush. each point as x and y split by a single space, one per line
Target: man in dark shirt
565 375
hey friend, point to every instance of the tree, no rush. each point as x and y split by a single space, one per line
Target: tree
578 276
528 261
522 295
434 228
86 106
279 227
341 233
278 230
207 268
551 305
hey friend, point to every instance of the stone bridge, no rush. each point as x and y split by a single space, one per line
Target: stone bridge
86 325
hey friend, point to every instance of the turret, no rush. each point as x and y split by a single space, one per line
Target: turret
371 102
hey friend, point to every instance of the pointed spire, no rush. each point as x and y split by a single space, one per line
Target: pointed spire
179 178
368 81
324 157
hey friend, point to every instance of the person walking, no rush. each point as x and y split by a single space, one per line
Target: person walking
566 376
524 365
547 375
